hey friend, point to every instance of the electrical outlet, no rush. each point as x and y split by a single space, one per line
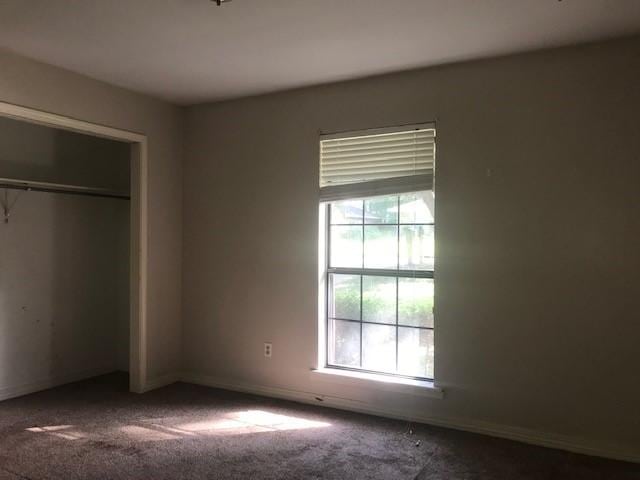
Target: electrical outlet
268 348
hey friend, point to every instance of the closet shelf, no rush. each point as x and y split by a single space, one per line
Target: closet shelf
28 185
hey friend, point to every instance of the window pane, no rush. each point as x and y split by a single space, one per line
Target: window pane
379 348
416 247
379 299
345 297
381 246
381 210
417 207
346 246
415 352
345 343
415 302
382 323
347 211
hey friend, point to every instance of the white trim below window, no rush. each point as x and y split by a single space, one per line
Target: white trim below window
422 388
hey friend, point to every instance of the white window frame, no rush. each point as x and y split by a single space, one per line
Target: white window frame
362 272
385 187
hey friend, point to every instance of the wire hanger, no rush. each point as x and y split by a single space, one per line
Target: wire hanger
7 206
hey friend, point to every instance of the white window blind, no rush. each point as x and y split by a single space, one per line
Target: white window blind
375 162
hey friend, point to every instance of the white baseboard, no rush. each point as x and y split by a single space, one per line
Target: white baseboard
543 439
13 391
160 382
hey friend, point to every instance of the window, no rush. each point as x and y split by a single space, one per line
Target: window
379 268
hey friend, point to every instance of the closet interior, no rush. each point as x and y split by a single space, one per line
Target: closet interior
64 256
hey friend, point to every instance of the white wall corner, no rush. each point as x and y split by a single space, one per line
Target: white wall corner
12 391
159 382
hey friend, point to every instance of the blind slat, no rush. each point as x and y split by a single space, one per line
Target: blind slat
382 157
348 141
362 146
385 186
364 162
346 179
408 168
383 153
363 166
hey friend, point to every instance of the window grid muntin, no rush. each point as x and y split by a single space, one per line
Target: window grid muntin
361 272
380 323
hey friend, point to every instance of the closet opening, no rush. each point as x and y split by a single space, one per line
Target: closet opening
72 252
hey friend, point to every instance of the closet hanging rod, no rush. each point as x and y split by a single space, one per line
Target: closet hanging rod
14 184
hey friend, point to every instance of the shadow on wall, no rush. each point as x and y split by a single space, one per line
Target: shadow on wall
90 273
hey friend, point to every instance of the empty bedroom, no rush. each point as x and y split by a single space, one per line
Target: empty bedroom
298 239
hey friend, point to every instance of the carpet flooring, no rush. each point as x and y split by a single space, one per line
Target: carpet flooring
96 429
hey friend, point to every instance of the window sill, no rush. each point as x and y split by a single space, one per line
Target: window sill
379 382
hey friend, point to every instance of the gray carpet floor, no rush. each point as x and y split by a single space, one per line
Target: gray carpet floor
96 429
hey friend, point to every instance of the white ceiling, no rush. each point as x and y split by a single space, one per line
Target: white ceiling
190 51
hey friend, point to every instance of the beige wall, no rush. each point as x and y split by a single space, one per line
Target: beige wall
537 291
43 87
